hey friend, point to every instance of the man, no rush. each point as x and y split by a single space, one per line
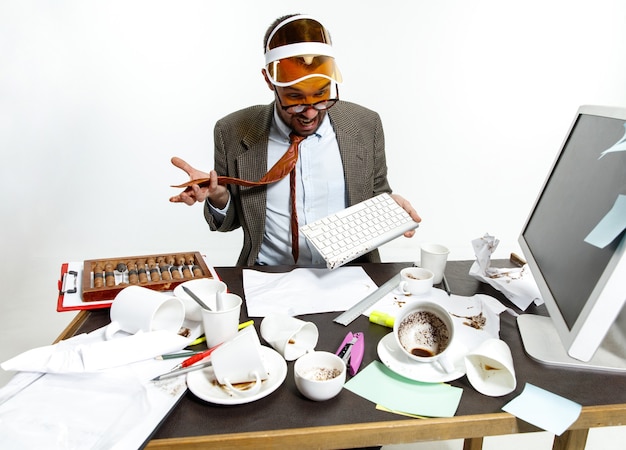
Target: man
340 160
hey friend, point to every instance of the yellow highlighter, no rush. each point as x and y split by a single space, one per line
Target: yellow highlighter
381 318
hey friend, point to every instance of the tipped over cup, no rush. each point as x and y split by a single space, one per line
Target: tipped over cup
289 336
137 309
490 368
238 364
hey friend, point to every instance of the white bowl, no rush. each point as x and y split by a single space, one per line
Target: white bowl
319 376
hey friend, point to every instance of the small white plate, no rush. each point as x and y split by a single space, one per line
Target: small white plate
392 356
203 384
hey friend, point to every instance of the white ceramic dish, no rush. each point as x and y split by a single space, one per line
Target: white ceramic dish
203 385
392 356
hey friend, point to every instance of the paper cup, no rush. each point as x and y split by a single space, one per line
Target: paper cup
490 368
206 289
220 326
434 258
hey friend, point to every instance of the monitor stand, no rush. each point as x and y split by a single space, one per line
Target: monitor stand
543 344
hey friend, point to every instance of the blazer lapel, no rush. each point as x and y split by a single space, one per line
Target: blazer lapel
352 152
252 165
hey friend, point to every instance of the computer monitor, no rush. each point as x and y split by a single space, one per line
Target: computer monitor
574 243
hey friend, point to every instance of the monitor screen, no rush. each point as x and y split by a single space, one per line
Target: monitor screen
584 187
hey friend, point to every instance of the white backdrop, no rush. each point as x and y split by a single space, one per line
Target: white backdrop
95 97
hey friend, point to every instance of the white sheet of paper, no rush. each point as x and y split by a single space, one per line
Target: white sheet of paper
56 411
544 409
305 291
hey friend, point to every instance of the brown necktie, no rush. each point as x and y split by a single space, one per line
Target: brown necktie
285 165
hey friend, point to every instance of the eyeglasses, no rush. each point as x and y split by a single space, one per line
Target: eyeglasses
322 105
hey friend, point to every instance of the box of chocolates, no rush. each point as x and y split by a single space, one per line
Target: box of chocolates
103 279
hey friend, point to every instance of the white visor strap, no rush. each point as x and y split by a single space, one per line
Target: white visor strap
299 49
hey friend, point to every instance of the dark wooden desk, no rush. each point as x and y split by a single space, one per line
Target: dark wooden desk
285 419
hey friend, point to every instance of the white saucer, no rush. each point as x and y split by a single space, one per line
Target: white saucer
203 384
392 356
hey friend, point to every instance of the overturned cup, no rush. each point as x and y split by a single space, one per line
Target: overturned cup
289 336
490 368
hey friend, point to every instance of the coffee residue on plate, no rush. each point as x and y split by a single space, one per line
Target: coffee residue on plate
478 321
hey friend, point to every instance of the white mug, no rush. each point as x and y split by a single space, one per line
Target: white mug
289 336
424 331
137 309
415 281
238 361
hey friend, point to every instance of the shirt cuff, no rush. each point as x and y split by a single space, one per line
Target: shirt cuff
217 213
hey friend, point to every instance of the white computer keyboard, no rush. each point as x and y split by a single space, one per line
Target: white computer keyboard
356 230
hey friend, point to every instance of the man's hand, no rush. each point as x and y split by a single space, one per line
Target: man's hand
218 195
406 205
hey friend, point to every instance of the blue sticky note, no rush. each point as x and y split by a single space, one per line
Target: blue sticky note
544 409
611 225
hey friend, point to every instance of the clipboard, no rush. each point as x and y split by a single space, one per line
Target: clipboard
69 286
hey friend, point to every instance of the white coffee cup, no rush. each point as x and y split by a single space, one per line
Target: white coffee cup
415 281
289 336
206 289
434 258
424 331
239 361
138 309
490 368
319 376
220 326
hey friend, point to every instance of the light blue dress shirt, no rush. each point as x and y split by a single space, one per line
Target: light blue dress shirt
320 191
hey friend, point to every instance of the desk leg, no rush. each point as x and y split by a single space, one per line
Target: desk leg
473 443
571 440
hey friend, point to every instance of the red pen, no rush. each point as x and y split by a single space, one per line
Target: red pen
195 358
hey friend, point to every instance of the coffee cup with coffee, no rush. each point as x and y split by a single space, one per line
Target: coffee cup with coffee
319 375
424 331
415 281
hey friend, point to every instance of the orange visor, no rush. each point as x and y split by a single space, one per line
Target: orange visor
289 71
297 49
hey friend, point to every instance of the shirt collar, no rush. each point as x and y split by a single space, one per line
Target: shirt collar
284 131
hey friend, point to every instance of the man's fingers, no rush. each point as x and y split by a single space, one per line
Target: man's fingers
181 164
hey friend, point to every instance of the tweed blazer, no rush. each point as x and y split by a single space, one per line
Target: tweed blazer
241 140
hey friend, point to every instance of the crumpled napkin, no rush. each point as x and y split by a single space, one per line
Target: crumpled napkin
91 352
517 284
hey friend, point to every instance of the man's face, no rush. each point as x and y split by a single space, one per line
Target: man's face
309 91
